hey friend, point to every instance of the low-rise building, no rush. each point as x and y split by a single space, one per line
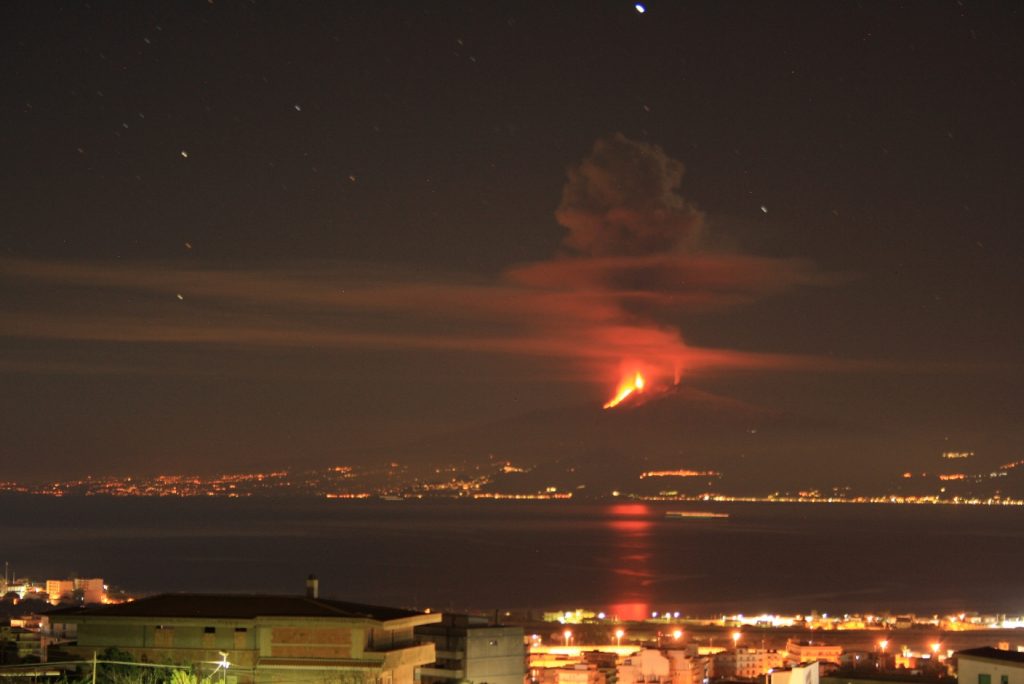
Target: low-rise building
18 645
90 590
470 649
670 666
989 666
806 651
577 673
746 663
266 639
805 673
605 662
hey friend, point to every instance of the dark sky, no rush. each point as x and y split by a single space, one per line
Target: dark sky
248 234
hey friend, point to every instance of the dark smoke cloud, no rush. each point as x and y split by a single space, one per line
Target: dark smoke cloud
623 199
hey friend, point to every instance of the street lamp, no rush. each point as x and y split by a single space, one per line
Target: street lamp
619 633
568 635
883 644
935 648
223 665
736 639
677 634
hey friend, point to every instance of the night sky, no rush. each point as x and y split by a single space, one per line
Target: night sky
240 235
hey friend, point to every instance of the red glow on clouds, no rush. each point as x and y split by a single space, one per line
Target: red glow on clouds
635 263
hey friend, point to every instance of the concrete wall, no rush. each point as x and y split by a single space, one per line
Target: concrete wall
495 655
263 650
969 671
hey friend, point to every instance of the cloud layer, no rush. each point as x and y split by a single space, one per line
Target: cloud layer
636 263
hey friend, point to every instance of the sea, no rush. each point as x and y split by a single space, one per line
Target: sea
622 557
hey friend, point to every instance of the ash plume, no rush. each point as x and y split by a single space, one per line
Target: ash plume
623 200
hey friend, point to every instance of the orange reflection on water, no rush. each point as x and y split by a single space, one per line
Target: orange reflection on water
630 611
629 525
634 509
631 553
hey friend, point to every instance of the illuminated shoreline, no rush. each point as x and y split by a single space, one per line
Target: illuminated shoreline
394 482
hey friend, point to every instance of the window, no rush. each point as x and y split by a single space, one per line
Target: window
984 679
209 630
1004 679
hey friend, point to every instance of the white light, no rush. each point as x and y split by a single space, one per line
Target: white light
640 8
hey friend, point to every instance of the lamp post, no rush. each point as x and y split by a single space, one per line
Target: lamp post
736 639
619 633
222 667
568 635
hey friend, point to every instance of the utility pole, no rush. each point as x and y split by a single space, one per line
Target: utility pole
94 667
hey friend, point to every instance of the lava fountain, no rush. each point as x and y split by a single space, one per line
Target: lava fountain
627 388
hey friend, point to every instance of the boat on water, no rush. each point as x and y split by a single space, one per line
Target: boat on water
695 514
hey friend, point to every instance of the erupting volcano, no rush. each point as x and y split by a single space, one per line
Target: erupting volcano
627 388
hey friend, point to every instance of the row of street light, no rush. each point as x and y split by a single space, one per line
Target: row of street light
677 634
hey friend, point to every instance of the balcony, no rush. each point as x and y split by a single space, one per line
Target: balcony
442 673
399 653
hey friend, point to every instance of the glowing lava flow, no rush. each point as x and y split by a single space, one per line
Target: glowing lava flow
626 389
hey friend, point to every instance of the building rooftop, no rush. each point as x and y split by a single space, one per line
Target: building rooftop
990 653
239 606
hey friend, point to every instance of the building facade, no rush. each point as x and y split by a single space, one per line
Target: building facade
91 590
808 673
808 651
989 666
670 666
266 639
746 663
471 650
